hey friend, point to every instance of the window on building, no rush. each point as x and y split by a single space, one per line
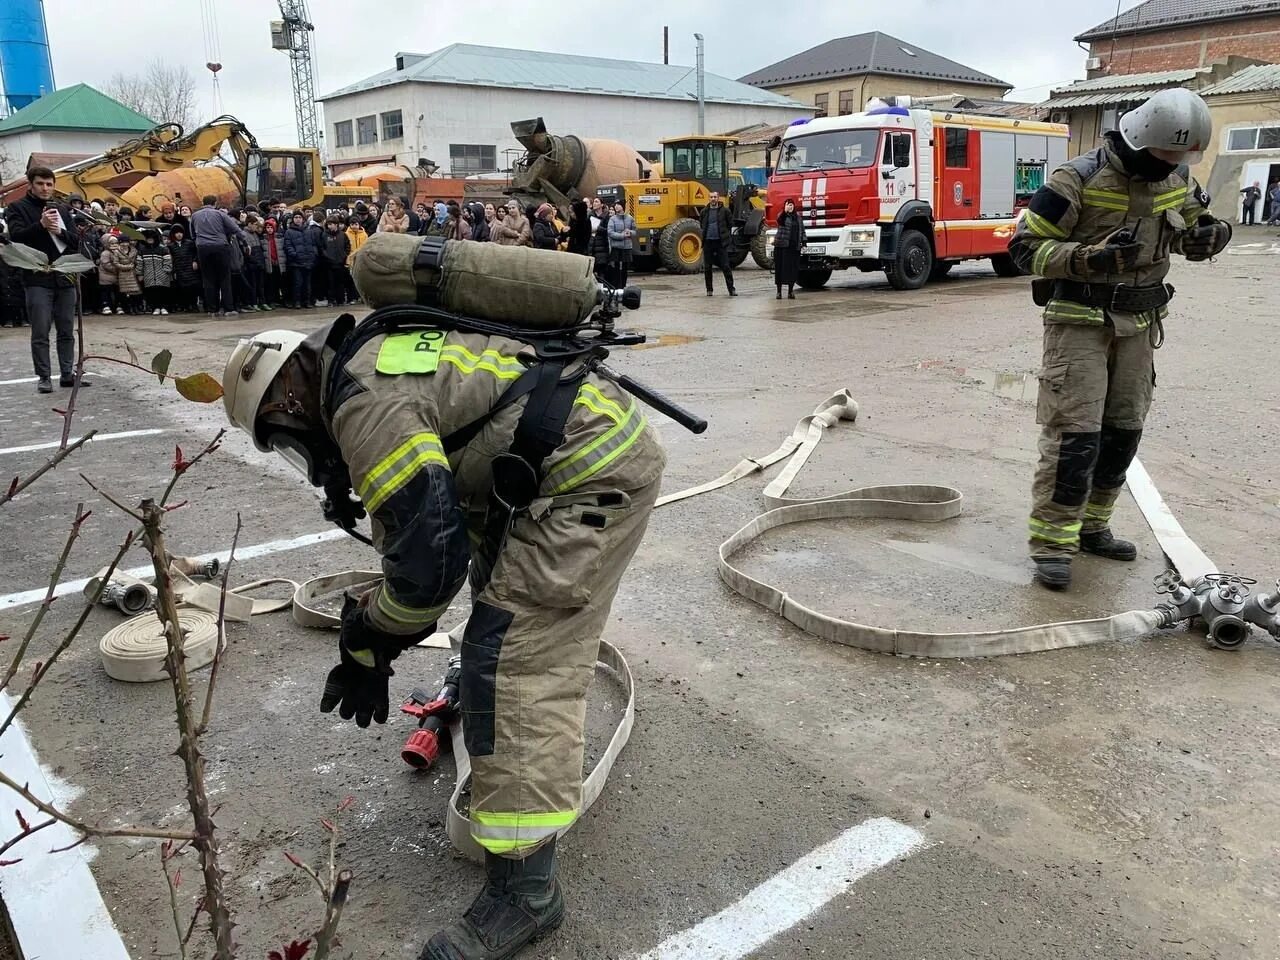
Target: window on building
1253 138
366 130
343 135
472 158
957 147
820 102
846 102
1243 138
392 125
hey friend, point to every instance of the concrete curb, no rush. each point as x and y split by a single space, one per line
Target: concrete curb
55 907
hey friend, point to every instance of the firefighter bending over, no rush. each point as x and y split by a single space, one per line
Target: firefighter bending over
1100 234
409 417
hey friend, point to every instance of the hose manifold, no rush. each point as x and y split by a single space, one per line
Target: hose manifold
1223 603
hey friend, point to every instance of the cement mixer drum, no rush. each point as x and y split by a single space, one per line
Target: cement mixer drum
557 166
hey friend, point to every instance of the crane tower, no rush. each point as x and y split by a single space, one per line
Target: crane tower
293 36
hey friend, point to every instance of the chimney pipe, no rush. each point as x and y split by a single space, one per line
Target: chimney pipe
702 89
666 45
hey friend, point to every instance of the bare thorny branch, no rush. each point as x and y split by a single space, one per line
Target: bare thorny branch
65 449
333 888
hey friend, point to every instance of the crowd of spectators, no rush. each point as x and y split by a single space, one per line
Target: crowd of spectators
222 261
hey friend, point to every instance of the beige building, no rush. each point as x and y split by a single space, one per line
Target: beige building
1244 101
839 77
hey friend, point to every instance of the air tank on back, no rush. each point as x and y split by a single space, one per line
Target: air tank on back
557 166
26 69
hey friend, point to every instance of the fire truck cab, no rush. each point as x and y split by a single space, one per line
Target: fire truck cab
910 192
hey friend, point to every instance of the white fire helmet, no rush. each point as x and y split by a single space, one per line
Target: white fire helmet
252 366
1174 125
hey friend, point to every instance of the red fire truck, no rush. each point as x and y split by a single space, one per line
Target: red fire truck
910 192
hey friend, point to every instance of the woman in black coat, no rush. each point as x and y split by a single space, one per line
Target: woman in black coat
579 228
787 245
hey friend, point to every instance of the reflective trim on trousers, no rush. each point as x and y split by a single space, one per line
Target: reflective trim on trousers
1061 533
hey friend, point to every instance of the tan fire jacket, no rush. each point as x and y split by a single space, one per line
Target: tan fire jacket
1087 200
395 401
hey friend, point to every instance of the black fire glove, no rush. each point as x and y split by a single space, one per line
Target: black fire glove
1116 254
357 686
1208 238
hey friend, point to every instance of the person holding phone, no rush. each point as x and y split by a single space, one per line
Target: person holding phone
39 222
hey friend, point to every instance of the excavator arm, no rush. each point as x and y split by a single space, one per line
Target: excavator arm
163 148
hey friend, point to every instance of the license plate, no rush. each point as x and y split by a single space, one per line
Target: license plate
813 251
855 253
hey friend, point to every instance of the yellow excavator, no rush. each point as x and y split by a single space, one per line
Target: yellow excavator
221 158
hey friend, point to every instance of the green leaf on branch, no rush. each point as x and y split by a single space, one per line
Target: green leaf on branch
160 363
133 357
130 231
73 263
199 387
23 257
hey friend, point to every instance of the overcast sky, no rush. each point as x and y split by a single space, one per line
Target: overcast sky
1009 39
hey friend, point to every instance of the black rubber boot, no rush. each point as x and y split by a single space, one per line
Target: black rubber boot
1053 573
1103 544
519 904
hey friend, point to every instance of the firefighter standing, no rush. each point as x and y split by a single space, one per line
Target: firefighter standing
402 410
1100 233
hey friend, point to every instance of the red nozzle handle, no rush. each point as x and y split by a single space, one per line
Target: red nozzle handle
421 749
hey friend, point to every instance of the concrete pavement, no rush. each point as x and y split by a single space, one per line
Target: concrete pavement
1114 801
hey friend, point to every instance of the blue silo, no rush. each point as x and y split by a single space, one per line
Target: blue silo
26 69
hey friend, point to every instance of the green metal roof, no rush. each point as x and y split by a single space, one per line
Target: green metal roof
78 107
471 65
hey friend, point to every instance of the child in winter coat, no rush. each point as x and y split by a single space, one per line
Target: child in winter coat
107 275
255 264
186 270
155 269
124 257
356 236
274 263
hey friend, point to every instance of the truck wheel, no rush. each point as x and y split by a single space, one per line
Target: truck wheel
910 271
1004 266
760 251
940 269
680 247
738 257
813 279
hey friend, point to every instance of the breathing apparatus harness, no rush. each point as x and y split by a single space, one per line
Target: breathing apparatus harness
562 360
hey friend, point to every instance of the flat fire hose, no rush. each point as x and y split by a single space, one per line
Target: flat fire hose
307 613
904 502
134 651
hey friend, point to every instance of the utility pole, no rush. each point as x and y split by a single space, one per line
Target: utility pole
293 36
702 89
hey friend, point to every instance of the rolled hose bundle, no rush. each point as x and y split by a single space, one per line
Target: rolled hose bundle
521 286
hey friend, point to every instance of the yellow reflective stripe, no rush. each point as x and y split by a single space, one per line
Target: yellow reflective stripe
556 819
1093 511
395 469
1041 259
598 454
1167 201
1106 199
1073 311
402 614
364 657
1054 532
504 832
1104 192
1107 205
1042 227
490 361
590 397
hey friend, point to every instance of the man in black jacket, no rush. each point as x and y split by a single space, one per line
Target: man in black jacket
38 222
717 240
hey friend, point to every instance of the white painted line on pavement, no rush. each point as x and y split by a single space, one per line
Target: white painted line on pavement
24 597
54 444
790 896
81 925
6 383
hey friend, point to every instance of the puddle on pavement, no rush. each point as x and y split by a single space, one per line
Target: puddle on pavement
668 340
958 559
1011 386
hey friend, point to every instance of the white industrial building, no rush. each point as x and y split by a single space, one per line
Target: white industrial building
454 107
